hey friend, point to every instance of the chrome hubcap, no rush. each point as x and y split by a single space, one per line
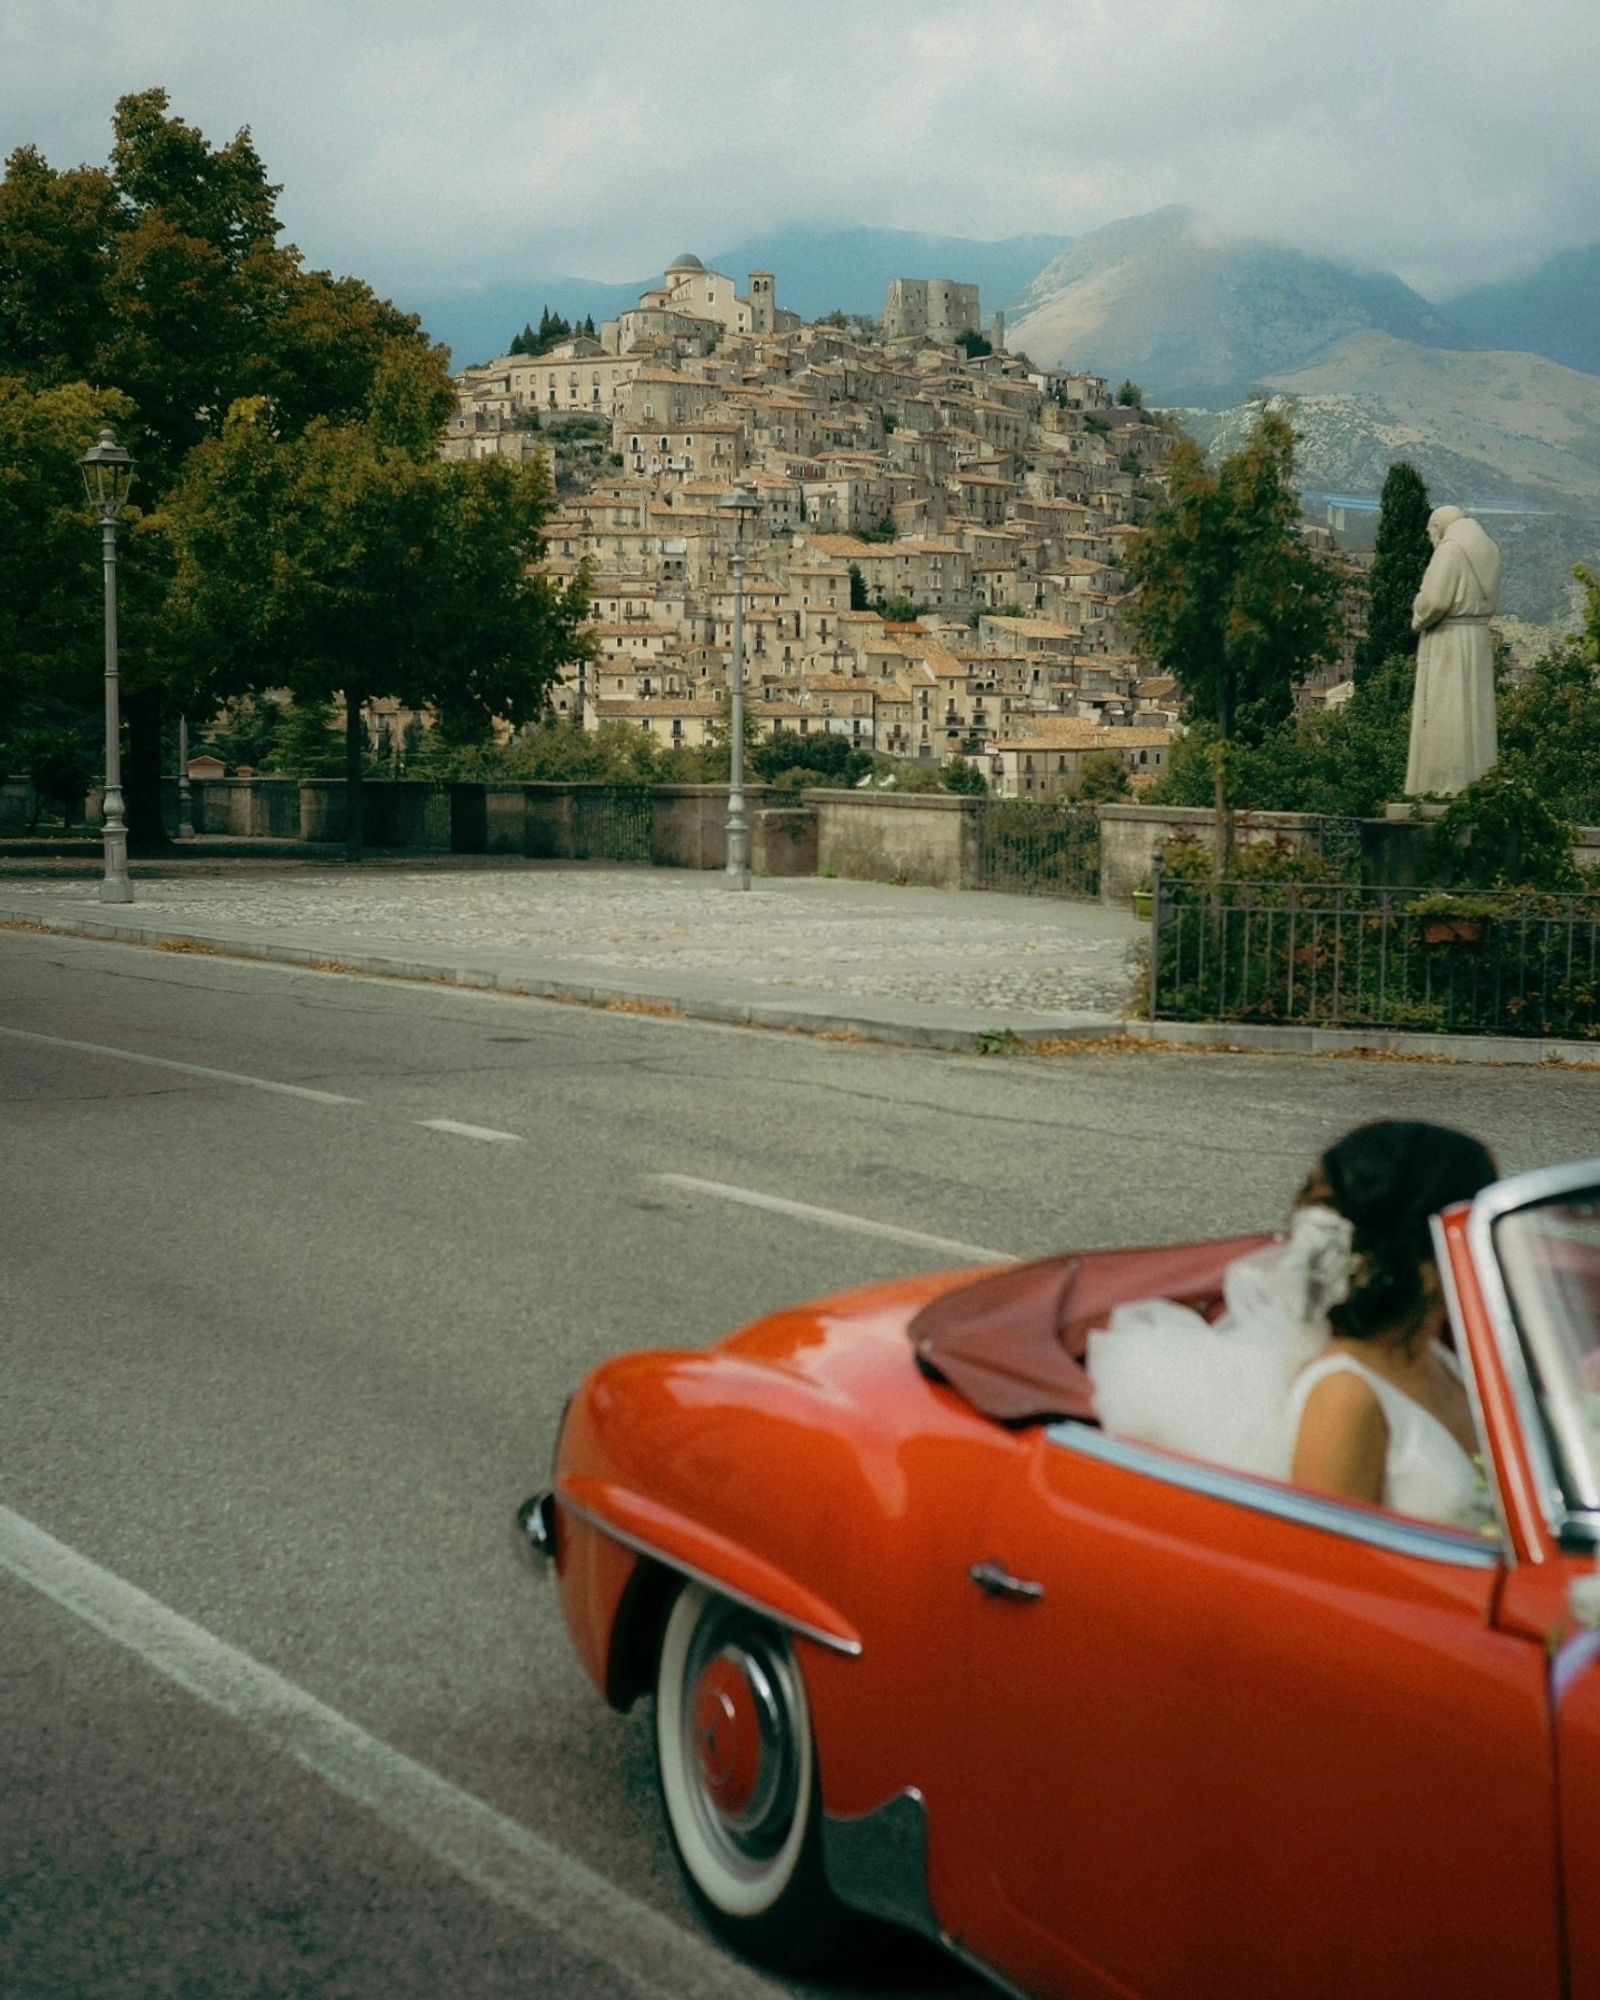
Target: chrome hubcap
738 1716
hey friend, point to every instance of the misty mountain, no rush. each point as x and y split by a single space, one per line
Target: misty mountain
1554 311
848 270
1511 437
1199 319
818 271
479 323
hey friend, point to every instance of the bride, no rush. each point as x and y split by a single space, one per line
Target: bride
1328 1366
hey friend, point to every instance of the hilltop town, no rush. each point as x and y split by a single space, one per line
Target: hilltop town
935 549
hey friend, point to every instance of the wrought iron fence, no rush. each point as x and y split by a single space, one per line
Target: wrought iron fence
433 831
1338 955
1038 850
613 823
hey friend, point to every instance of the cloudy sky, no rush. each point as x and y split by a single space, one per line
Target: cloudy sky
429 143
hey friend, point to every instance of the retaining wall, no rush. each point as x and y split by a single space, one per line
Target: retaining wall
922 838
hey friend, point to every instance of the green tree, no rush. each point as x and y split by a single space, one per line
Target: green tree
246 731
858 589
345 564
1104 777
308 742
50 629
1230 602
1130 396
717 758
964 778
1346 761
617 753
824 757
160 278
1550 732
975 345
1402 554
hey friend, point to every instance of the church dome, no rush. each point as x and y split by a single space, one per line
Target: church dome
685 261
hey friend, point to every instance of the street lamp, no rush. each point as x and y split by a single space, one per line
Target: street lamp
741 501
107 475
185 813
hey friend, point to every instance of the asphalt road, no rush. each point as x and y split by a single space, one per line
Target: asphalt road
282 1716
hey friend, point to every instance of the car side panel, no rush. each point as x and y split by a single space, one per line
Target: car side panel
1576 1684
1241 1754
810 1468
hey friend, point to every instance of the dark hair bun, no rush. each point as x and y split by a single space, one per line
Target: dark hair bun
1390 1178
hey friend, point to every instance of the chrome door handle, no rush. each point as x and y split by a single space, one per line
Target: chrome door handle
993 1581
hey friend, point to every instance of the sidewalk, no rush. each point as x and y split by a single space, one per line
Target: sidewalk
936 968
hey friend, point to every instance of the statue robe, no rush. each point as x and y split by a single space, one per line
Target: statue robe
1453 734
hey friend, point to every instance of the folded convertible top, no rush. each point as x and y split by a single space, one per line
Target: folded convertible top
1012 1342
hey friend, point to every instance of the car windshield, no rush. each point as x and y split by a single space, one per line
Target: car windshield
1550 1256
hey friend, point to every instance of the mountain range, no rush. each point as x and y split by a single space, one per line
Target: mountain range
1203 319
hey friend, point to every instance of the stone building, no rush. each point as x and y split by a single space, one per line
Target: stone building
930 308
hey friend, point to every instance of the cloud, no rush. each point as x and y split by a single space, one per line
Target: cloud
422 143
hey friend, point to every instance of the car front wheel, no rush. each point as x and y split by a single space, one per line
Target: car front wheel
737 1765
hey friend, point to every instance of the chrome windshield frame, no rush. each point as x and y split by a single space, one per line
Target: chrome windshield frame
1514 1342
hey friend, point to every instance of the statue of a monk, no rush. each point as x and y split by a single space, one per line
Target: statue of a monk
1453 735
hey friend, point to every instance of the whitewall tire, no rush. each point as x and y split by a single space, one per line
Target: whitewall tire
737 1766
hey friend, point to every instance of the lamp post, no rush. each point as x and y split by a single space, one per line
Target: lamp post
107 475
740 501
185 814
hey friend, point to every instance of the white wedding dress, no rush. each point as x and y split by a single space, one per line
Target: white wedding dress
1232 1391
1426 1473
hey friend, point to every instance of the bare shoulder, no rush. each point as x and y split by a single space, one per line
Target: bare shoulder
1343 1441
1345 1400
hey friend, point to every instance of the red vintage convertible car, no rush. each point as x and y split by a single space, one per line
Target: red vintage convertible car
926 1642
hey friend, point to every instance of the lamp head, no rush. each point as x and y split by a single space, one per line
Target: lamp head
741 501
107 475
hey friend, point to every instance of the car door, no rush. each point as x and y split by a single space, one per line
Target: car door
1232 1739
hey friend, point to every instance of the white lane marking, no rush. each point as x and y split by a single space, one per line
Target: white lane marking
860 1225
557 1894
187 1069
472 1131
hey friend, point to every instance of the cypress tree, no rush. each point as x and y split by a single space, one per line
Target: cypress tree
1403 553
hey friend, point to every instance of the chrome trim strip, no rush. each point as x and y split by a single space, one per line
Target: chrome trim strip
983 1968
850 1648
1469 1376
877 1862
1306 1510
1574 1660
1492 1206
534 1533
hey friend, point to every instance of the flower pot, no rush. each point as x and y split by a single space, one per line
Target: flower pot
1452 930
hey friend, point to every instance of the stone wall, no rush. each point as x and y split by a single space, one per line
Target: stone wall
924 838
783 841
1130 835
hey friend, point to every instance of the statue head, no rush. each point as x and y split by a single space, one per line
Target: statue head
1439 520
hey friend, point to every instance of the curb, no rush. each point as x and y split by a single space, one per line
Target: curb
775 1016
1239 1035
780 1017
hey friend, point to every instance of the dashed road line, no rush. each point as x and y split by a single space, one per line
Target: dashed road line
471 1131
652 1956
184 1068
836 1218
